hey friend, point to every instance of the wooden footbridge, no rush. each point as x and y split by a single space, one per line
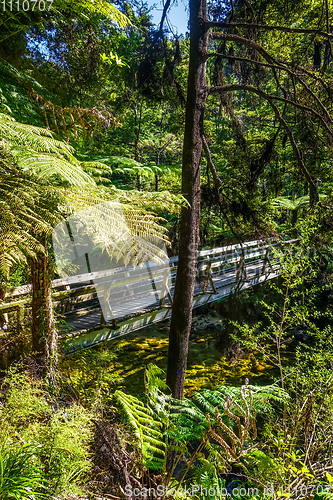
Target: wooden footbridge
134 298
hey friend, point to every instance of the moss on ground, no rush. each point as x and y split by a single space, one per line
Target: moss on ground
207 367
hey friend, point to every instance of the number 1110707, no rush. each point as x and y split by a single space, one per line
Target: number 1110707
26 5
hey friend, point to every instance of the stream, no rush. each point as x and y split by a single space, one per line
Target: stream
209 362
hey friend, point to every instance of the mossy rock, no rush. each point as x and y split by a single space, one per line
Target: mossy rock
139 347
156 342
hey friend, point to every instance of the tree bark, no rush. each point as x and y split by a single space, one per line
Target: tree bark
197 92
44 333
39 284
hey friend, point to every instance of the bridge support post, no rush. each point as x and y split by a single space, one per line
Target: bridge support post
19 317
165 290
266 261
209 275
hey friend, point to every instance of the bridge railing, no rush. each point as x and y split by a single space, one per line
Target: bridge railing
220 270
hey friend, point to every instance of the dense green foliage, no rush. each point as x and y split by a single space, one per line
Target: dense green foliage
92 113
57 452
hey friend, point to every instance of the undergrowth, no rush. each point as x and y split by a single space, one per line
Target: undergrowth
20 473
59 431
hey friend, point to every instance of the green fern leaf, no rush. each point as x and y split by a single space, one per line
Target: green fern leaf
146 429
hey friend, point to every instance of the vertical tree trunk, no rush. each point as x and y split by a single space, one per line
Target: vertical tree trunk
190 216
44 333
39 284
139 178
137 130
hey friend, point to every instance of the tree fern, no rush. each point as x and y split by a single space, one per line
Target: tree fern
191 415
35 149
39 108
285 203
28 210
122 165
157 201
29 155
23 21
14 98
261 396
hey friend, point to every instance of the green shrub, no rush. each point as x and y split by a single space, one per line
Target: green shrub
61 435
92 374
65 447
296 441
26 401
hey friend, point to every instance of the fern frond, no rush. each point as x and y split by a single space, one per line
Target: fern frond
35 150
30 136
47 166
55 117
27 211
127 234
146 429
285 203
158 201
262 396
